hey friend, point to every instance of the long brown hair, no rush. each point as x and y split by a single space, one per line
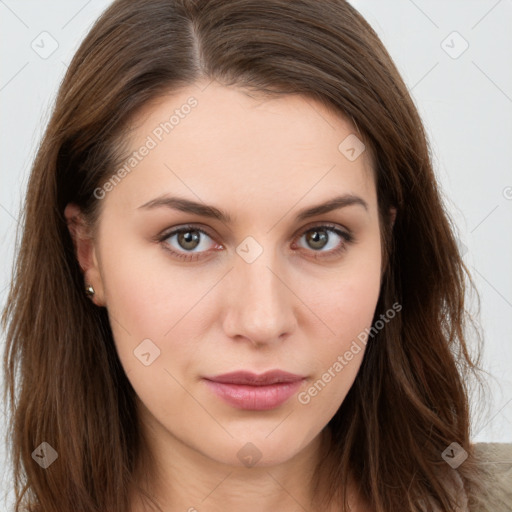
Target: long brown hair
65 384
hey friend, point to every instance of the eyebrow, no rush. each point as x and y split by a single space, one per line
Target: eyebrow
204 210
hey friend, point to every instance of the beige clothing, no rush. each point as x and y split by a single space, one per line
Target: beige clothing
498 457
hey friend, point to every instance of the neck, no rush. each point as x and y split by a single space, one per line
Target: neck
179 478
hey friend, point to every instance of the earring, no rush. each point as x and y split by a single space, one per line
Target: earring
89 290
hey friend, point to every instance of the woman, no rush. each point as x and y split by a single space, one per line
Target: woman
237 287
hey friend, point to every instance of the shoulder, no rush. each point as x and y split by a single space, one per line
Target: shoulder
496 462
494 490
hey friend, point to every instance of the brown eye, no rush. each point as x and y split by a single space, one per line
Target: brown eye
321 237
189 239
187 242
317 238
190 243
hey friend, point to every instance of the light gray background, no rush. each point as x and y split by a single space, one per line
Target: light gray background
464 98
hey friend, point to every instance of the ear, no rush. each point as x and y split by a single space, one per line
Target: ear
85 251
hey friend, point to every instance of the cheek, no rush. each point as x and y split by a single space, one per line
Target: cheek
347 304
147 300
144 292
346 301
353 304
149 321
338 358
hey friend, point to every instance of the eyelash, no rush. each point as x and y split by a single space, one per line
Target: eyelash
346 236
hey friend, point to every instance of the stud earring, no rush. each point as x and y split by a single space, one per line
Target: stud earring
89 290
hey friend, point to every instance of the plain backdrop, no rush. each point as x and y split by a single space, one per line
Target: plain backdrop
456 59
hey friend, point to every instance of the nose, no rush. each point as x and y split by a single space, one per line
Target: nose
261 307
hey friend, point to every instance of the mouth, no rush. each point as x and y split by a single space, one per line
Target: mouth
256 392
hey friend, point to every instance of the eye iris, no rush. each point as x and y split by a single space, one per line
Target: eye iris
317 237
187 237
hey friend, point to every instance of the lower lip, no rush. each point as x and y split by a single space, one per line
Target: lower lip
255 398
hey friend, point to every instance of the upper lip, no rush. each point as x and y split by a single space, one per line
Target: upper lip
254 379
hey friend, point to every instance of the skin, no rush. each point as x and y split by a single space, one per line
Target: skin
262 161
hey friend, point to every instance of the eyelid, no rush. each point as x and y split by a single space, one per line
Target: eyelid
315 224
323 224
164 235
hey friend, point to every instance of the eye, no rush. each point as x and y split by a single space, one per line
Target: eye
326 236
190 242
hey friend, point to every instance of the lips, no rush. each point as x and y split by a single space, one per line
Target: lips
253 379
250 391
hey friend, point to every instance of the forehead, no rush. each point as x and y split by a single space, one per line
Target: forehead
226 144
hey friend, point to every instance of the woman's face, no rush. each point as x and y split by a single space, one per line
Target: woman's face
273 285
